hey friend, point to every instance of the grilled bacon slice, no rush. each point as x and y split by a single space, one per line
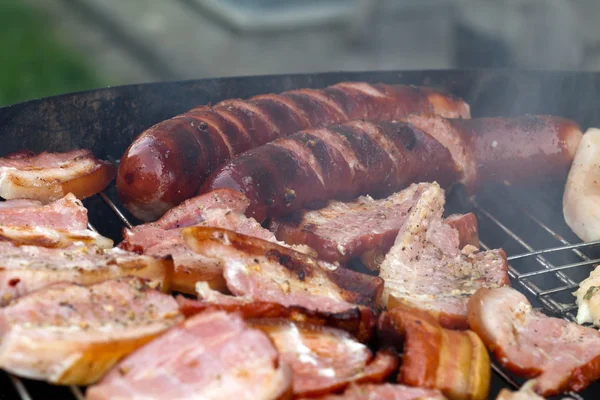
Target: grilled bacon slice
49 176
70 334
561 355
213 355
365 228
325 360
66 213
48 237
223 208
24 269
387 391
455 362
266 271
359 321
426 269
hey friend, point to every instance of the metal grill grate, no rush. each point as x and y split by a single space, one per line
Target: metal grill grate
545 264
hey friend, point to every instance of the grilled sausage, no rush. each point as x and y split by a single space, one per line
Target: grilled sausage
340 162
358 157
168 162
531 147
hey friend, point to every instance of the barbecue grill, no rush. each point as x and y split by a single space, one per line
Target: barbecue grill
546 259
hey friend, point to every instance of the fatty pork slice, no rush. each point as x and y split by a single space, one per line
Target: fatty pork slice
49 176
364 228
223 208
265 271
72 335
325 360
561 355
213 355
454 362
426 269
24 269
387 391
58 224
359 322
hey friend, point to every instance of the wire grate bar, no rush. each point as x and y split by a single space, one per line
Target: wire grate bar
77 393
116 210
574 247
558 289
20 388
559 268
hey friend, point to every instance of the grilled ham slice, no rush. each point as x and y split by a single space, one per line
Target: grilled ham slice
49 176
72 334
364 228
325 360
426 269
48 237
588 299
66 213
213 355
561 355
360 322
387 391
266 271
24 269
455 362
223 208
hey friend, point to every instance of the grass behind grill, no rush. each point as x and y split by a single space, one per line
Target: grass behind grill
34 63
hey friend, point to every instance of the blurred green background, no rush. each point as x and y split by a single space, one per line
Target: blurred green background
34 62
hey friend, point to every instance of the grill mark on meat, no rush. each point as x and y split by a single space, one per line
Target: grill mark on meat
341 145
304 154
235 139
321 109
288 119
234 120
288 102
253 113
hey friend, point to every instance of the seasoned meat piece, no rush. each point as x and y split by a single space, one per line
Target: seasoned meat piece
561 355
387 391
222 208
455 362
24 269
213 355
71 335
588 299
66 213
365 228
266 271
360 322
426 269
325 360
525 393
49 176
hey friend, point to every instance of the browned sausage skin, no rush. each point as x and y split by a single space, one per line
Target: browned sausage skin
341 162
168 162
345 161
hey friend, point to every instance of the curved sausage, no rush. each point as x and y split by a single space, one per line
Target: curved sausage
538 147
342 162
168 162
345 161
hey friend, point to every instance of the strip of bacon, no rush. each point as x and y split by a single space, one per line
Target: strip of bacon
455 362
561 355
213 355
266 271
426 269
71 334
358 321
223 208
325 360
49 176
66 213
387 391
24 269
344 230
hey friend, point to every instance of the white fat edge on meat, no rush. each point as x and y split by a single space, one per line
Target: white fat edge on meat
588 299
581 199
